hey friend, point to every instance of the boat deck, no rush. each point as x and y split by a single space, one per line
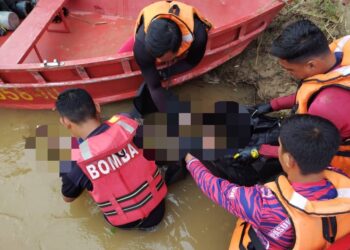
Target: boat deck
90 35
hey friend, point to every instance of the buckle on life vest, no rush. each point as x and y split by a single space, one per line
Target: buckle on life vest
329 228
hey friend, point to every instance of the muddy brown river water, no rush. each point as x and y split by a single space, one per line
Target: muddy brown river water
34 216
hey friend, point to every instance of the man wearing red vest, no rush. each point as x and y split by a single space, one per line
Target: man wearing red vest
324 73
127 188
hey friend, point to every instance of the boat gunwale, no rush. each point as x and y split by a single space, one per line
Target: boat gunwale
127 56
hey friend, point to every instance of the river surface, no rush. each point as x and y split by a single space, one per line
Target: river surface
34 216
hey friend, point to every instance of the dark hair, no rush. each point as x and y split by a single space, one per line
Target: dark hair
76 104
300 41
163 35
311 140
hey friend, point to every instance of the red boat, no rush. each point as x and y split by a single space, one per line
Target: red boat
41 58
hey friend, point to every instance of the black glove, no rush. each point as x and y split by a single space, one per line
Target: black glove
261 109
247 154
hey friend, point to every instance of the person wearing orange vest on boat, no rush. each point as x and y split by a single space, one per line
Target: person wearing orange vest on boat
168 31
324 70
308 208
128 189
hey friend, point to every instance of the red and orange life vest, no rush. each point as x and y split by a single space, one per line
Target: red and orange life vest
317 224
339 77
126 186
180 13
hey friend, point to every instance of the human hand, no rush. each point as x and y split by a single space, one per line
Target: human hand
261 109
189 157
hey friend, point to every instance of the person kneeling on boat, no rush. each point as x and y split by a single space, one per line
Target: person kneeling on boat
308 208
324 73
128 189
167 31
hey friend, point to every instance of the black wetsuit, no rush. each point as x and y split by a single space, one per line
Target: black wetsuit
147 62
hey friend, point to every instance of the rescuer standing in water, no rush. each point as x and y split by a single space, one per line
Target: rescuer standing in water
128 189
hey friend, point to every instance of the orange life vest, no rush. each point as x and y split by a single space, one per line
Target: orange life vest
316 224
180 13
126 186
339 77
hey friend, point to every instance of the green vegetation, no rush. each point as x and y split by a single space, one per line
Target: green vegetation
257 68
327 14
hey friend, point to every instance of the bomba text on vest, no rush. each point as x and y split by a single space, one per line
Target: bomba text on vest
111 162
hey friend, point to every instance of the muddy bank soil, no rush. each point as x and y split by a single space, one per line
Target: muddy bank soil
257 68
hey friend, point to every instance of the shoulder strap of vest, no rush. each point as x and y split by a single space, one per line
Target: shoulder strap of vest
331 76
342 45
122 130
339 205
255 241
310 88
339 44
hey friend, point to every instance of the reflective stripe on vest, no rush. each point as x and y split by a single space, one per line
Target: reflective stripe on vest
130 196
343 192
126 126
323 220
84 146
340 45
301 202
312 230
187 38
343 71
85 150
298 200
341 204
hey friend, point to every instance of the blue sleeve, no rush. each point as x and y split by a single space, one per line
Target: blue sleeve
243 202
74 182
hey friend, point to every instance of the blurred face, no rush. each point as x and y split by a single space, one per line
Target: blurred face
299 71
168 56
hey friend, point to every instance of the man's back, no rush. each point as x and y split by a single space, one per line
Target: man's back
257 205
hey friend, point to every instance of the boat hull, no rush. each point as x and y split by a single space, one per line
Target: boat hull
115 77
